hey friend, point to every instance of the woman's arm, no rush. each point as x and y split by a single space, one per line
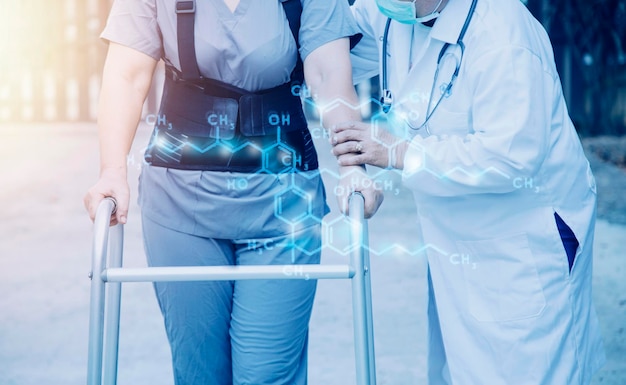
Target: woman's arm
328 74
126 80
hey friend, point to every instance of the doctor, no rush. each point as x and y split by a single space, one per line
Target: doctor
479 127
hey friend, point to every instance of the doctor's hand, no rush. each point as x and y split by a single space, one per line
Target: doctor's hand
356 143
112 183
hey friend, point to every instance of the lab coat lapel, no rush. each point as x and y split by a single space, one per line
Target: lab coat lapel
449 24
398 50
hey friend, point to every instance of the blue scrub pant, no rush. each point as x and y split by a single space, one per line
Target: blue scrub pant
235 332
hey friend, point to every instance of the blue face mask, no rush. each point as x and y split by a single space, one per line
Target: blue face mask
404 11
401 11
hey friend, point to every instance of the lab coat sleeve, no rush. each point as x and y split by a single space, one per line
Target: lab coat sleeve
509 116
364 55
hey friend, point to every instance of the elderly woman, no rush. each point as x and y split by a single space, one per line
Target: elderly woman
228 114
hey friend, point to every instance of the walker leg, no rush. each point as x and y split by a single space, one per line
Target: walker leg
96 330
361 295
112 322
369 319
96 309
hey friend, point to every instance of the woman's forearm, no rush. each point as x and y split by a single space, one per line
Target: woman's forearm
328 73
125 83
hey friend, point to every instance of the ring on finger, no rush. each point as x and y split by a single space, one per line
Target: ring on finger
359 147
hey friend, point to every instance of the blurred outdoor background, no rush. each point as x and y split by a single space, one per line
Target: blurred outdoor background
51 58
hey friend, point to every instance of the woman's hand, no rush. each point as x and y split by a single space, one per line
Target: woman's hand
356 143
114 184
355 179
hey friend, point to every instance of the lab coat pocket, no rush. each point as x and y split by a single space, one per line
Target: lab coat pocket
447 122
502 280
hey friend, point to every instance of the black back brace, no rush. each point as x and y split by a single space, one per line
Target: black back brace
206 124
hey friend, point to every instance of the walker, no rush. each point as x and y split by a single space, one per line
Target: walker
108 247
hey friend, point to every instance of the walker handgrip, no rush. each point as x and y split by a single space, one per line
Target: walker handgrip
114 201
356 206
109 200
106 208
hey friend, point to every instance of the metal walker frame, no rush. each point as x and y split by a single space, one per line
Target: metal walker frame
108 247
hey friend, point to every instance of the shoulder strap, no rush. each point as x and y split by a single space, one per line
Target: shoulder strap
185 18
293 11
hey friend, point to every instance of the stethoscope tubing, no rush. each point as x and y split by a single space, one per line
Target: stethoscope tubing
387 96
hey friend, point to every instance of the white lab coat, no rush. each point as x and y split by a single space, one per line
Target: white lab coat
499 158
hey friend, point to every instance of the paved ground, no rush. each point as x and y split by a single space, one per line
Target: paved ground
45 241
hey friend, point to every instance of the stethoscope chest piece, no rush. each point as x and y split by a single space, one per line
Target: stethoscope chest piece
386 100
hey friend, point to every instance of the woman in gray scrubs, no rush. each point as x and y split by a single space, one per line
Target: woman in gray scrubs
263 205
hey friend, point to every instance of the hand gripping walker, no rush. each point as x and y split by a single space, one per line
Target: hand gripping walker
104 326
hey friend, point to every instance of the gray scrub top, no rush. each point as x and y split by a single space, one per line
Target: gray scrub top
251 48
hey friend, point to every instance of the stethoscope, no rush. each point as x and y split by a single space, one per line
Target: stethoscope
386 99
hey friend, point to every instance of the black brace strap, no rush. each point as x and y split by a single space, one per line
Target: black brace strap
185 27
185 16
293 10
